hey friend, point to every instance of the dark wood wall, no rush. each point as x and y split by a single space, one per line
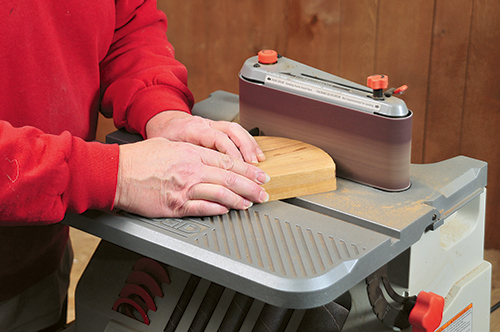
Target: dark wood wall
445 51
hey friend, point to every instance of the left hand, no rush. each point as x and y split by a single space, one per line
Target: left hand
226 137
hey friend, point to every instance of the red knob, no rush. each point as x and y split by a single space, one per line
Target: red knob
427 313
268 57
377 82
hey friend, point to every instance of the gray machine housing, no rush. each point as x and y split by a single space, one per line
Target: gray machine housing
300 253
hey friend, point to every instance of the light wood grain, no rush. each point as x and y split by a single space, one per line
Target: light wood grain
480 125
295 168
447 78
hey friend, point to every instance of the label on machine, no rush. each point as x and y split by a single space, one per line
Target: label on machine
462 322
336 96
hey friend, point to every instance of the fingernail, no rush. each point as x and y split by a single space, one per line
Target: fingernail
261 157
264 196
248 204
263 178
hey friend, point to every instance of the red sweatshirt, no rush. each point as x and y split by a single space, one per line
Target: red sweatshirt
60 63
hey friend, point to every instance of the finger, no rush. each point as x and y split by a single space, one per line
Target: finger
214 139
201 208
231 187
246 144
220 195
223 143
215 159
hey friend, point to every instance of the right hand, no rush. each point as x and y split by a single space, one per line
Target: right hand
226 137
160 178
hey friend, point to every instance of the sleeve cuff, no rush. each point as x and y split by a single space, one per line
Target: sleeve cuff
94 171
151 101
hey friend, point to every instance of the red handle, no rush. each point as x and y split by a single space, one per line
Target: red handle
427 313
401 89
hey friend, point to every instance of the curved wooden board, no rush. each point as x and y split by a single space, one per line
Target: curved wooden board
296 168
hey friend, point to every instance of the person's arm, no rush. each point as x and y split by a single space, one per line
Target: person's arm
140 76
43 176
145 88
158 177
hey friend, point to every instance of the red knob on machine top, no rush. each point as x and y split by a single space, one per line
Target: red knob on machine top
268 57
427 313
377 82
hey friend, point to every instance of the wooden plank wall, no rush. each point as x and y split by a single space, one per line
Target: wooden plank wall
445 51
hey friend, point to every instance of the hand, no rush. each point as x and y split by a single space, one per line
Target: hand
160 178
226 137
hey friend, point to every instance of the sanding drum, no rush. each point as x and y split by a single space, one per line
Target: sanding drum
368 136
